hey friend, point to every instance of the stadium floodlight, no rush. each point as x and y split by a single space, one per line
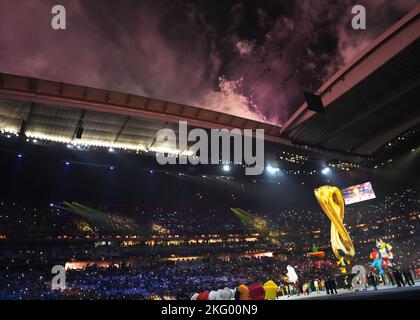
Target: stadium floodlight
111 168
20 155
272 170
326 170
226 168
67 163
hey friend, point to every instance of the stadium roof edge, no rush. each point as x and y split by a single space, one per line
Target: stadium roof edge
29 89
381 50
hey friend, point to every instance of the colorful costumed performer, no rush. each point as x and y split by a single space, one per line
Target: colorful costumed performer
382 256
377 262
385 250
291 274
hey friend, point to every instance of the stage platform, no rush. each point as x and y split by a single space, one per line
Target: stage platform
383 293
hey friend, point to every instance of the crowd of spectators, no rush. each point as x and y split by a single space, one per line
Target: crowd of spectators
25 271
153 279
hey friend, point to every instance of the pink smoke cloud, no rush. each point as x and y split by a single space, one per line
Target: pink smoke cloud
175 51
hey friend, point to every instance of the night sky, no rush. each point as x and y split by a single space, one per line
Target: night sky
249 58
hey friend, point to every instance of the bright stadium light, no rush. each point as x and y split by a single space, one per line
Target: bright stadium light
272 170
326 170
226 168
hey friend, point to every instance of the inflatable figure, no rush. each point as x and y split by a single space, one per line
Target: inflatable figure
316 254
271 289
233 295
291 274
257 292
384 250
203 295
242 292
331 201
377 262
225 294
383 247
194 296
213 295
342 264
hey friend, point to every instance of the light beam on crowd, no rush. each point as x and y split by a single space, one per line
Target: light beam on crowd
104 219
52 205
251 220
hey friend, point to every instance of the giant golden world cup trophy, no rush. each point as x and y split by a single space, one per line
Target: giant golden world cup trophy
331 201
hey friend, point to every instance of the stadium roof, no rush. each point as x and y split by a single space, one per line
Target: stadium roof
371 100
53 110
